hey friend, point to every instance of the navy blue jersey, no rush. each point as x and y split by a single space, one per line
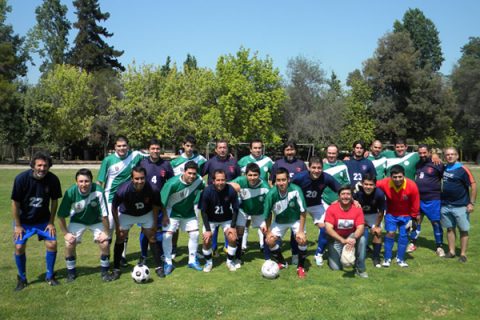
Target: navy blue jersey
457 180
157 172
313 189
34 196
135 203
371 203
295 166
358 168
219 206
229 165
429 180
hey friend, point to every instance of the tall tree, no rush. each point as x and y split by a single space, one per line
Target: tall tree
90 51
190 63
49 36
424 36
466 85
12 67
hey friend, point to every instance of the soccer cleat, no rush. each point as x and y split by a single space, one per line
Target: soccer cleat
377 263
195 265
208 266
21 284
386 263
282 265
319 259
52 281
116 274
362 274
301 273
462 259
231 266
71 277
159 271
449 255
142 261
295 259
238 263
107 277
168 269
411 247
123 262
440 252
402 264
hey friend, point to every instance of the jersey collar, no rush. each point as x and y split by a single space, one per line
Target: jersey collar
403 186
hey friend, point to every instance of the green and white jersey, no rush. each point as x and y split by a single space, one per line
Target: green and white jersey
178 164
408 162
252 198
339 172
264 162
115 170
86 209
286 208
178 197
380 163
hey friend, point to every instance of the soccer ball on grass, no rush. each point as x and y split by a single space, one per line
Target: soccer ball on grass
140 273
270 269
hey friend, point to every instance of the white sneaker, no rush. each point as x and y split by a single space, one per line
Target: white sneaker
363 274
208 266
386 263
319 259
231 266
440 252
402 264
237 263
295 259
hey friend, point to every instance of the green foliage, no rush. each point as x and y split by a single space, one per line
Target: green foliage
90 51
249 97
190 63
424 36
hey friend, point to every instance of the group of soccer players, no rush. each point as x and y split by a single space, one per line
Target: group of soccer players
348 200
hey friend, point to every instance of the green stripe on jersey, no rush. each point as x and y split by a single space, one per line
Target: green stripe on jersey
114 171
286 209
408 162
264 162
85 209
179 197
252 198
339 172
178 164
380 165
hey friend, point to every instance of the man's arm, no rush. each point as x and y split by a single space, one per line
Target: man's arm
18 229
301 237
70 238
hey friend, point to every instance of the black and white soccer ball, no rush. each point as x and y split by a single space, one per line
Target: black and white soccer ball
270 269
140 273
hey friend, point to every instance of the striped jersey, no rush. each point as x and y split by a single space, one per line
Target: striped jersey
178 197
286 208
252 197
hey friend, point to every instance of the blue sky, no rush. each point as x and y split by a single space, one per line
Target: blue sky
338 34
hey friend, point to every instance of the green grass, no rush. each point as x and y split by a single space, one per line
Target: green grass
430 288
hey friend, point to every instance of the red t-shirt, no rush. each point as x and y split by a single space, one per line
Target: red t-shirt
403 201
344 222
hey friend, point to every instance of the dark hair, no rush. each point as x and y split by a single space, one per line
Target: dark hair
289 143
219 171
369 177
153 141
252 167
256 140
282 170
121 138
315 160
400 141
220 141
397 169
40 155
423 145
84 172
190 139
191 165
360 142
344 187
138 169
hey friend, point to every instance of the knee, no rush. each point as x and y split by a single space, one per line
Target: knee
19 249
51 245
390 235
240 231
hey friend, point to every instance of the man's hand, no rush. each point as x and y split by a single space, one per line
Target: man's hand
350 242
470 208
263 227
165 220
51 230
207 236
18 233
102 237
301 238
70 238
377 231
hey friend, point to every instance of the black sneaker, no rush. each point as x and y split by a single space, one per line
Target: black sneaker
21 284
52 281
462 259
142 261
116 274
123 262
71 277
377 263
449 255
107 276
159 271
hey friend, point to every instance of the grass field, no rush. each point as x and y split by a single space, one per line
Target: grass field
430 288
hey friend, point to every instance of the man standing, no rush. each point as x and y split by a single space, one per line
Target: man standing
379 161
458 200
135 202
35 197
178 197
289 161
408 160
403 205
338 170
313 182
219 206
345 226
85 204
189 154
429 183
288 205
222 160
358 165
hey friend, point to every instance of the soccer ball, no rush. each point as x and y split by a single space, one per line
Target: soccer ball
140 273
270 269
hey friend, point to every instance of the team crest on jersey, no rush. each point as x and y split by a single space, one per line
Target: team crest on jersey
265 169
243 193
162 173
79 206
406 163
116 168
364 167
430 170
278 207
405 197
298 169
261 198
291 204
231 169
93 204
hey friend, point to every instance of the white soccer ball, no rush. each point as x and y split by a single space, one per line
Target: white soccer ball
140 273
270 269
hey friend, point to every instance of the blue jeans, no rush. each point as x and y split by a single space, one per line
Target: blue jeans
335 252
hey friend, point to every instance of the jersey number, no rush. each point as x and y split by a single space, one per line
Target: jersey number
154 179
357 176
36 202
218 209
139 205
311 194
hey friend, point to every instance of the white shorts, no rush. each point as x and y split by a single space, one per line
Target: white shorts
127 221
279 230
77 229
225 225
243 217
190 224
325 206
317 213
